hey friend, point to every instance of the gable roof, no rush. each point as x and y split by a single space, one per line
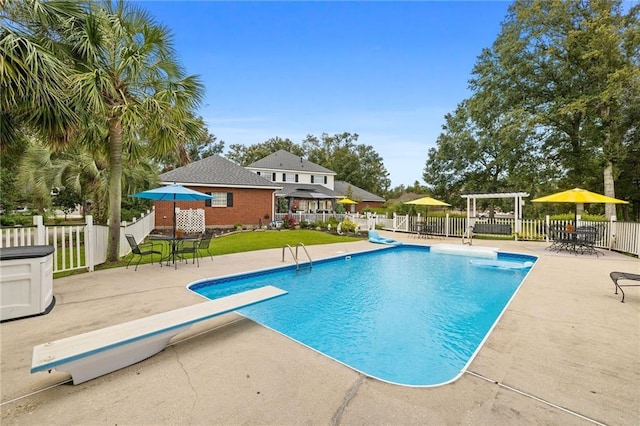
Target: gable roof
216 171
343 187
284 160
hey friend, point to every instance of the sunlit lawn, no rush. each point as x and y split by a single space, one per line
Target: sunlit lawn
251 240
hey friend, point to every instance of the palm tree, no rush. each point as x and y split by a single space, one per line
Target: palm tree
111 80
80 170
34 68
131 84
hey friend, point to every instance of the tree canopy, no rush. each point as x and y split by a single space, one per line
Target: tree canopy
357 164
109 80
554 104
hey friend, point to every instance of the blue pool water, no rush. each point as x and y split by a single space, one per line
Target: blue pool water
404 315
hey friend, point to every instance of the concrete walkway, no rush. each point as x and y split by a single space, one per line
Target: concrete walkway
566 352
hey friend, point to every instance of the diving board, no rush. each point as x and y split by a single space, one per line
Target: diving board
95 353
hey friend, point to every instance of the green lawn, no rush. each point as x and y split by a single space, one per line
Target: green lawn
248 241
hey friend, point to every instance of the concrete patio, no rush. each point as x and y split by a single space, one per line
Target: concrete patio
566 352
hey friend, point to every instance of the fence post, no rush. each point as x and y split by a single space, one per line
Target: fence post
612 231
547 224
40 231
446 224
89 242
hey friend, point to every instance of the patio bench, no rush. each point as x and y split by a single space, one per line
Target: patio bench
617 276
95 353
492 228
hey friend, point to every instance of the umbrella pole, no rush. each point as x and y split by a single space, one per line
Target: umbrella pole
174 242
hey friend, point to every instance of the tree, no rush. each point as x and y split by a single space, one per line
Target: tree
103 74
67 200
79 170
35 69
573 67
559 89
245 155
201 145
132 86
358 164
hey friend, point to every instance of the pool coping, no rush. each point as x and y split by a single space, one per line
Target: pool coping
468 252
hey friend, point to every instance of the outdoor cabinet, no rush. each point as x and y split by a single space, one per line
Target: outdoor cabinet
26 281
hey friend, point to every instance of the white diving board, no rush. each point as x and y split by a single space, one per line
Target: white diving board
89 355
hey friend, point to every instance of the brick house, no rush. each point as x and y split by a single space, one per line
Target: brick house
309 187
239 196
248 196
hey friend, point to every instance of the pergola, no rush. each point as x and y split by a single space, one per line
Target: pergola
517 210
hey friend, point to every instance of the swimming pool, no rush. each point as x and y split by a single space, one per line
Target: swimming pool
404 315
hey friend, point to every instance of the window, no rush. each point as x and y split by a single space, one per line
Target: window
220 199
318 179
289 177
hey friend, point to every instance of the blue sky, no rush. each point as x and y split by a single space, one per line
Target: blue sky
388 71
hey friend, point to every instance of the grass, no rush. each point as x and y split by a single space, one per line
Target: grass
240 242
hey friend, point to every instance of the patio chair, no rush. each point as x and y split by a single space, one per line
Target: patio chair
585 240
193 247
560 239
140 250
204 243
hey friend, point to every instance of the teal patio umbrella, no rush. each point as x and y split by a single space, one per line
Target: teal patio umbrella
173 193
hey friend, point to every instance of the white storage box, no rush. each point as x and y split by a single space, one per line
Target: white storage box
26 281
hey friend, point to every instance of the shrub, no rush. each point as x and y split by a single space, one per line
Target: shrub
289 222
348 226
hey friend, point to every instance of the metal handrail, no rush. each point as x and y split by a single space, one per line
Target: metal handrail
295 255
306 252
295 258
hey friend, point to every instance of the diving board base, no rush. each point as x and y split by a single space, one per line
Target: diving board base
95 353
110 360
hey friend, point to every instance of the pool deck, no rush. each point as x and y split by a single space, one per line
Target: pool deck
566 351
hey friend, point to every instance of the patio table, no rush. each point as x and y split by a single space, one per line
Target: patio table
174 245
578 241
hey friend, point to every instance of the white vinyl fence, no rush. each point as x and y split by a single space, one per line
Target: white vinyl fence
85 245
79 246
614 235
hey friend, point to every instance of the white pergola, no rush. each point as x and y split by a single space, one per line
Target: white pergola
517 210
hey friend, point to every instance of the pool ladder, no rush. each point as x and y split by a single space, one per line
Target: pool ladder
295 255
467 236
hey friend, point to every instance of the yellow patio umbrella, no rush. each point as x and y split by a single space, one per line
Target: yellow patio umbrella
427 201
347 201
578 196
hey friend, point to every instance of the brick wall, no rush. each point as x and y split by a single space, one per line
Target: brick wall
249 206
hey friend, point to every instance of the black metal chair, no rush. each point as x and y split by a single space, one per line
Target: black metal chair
585 239
204 244
193 247
141 250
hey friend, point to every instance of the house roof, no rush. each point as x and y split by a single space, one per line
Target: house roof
306 190
216 171
284 160
343 188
